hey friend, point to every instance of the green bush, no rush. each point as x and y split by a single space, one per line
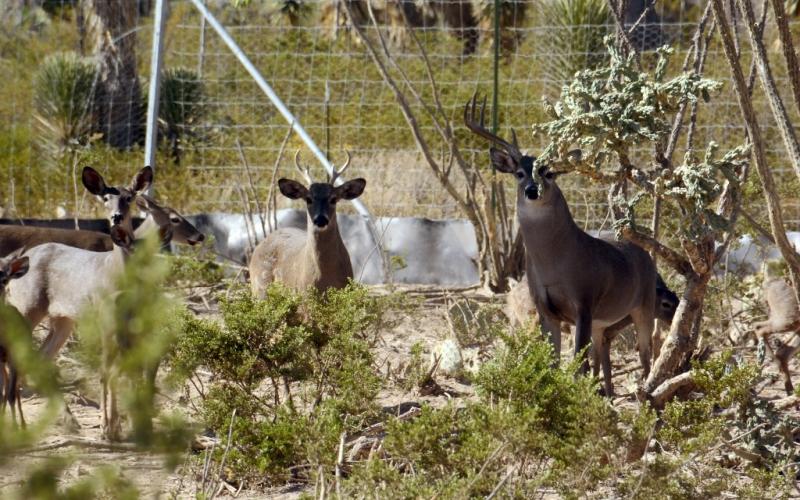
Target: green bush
545 424
64 90
297 369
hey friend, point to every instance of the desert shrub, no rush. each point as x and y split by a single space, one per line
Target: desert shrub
64 90
541 424
296 368
708 443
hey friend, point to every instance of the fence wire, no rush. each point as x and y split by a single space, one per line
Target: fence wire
220 144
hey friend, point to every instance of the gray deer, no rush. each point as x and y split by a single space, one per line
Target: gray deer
573 277
317 256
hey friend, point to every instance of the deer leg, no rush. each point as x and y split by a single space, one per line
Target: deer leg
60 331
551 329
784 353
583 338
644 323
602 356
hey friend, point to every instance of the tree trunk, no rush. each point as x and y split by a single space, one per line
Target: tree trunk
111 37
681 339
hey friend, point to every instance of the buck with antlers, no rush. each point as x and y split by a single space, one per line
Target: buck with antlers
573 277
317 256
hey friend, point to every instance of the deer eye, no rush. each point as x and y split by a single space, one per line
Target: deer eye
520 174
175 220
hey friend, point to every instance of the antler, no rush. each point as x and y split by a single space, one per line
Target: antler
478 127
303 170
338 172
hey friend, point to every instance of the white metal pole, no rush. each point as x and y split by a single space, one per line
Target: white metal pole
150 145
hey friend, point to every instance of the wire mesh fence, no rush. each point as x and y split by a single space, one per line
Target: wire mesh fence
221 139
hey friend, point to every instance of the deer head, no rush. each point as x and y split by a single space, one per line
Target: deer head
171 222
535 183
12 267
321 197
117 199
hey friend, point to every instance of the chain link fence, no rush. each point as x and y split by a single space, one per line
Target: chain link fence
223 144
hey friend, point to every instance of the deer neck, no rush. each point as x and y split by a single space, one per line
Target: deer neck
146 228
548 229
324 247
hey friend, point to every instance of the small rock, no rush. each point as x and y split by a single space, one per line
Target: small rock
449 354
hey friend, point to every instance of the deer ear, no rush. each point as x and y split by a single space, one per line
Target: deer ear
18 267
93 181
142 180
121 237
502 161
292 189
350 190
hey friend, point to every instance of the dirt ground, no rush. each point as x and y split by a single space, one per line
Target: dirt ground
427 325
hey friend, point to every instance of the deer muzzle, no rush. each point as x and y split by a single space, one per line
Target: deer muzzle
532 191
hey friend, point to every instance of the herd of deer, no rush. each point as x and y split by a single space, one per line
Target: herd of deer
598 286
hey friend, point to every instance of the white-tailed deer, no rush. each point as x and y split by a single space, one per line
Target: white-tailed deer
317 256
12 267
63 279
13 237
784 317
573 277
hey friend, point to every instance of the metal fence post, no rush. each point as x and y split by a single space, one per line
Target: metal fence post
151 139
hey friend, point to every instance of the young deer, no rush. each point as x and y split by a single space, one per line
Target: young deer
784 316
12 267
317 256
572 276
63 279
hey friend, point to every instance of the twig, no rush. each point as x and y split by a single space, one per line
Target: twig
82 442
502 482
224 454
339 461
251 185
272 215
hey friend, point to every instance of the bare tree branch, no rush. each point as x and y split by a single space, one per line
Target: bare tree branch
759 156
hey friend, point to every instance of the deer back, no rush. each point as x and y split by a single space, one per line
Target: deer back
784 314
13 237
62 280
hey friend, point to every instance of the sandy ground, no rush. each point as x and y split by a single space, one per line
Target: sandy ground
427 325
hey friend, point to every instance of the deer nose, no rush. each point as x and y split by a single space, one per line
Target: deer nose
320 220
201 238
532 191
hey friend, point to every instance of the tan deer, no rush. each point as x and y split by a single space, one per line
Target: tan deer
12 267
573 277
784 317
317 256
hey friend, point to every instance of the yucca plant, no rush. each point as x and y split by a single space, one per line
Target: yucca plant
180 106
578 42
64 90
